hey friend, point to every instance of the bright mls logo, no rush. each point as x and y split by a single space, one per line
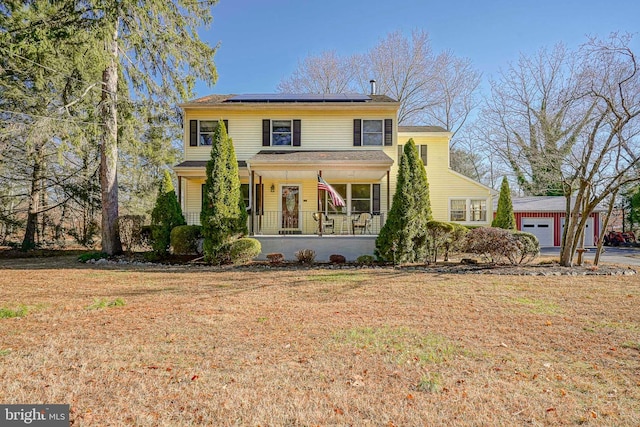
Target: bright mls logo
34 415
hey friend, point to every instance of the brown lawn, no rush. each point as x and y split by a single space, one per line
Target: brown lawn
198 346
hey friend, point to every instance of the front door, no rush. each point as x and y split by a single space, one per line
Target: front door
290 202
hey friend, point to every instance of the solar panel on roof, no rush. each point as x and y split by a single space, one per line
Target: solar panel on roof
300 97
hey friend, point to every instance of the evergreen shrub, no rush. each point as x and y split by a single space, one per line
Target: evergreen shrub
166 215
244 250
184 239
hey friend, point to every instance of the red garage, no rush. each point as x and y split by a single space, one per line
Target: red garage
544 217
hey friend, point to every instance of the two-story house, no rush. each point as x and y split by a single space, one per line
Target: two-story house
284 142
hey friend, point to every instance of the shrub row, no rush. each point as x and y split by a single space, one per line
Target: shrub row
499 245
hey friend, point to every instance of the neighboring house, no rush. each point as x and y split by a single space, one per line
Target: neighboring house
283 142
544 216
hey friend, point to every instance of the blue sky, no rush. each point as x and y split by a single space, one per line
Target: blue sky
261 41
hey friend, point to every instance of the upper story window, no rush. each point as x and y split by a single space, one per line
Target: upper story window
201 132
367 132
281 133
372 132
423 153
207 127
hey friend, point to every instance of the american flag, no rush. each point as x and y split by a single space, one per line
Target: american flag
336 199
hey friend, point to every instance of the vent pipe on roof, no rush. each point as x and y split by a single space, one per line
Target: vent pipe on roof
373 86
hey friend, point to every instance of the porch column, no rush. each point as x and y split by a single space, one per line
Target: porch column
180 193
252 199
388 190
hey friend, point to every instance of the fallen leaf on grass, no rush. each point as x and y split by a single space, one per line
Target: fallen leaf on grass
195 377
551 409
338 411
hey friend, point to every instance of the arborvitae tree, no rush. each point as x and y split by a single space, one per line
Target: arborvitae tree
403 236
166 215
223 216
504 214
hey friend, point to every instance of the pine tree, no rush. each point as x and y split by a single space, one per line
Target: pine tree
223 216
403 236
166 215
504 214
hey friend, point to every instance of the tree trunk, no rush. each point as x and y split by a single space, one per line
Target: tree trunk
29 241
109 153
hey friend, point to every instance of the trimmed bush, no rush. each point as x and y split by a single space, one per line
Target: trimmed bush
528 248
337 259
275 258
455 242
438 233
244 250
306 256
184 239
500 245
494 244
366 259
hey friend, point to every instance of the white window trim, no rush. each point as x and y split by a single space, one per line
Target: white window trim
468 215
281 133
362 133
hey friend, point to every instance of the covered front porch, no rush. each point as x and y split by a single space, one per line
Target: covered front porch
283 198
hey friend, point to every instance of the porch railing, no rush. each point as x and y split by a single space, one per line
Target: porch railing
305 223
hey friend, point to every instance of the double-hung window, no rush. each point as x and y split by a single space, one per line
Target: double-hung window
372 132
458 210
281 132
360 198
207 127
201 132
478 210
369 132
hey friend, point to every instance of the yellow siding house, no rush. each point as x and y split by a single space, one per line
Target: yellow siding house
284 142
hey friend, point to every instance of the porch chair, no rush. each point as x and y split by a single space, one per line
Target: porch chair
362 223
327 223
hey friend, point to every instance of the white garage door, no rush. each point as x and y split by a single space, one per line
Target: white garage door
542 228
589 237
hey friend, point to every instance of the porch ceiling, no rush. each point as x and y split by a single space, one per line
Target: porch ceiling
335 165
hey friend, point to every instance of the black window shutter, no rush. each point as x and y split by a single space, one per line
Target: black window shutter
400 152
202 196
388 132
376 199
423 154
357 132
296 133
193 133
226 125
266 132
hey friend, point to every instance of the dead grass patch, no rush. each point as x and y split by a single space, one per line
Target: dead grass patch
194 346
